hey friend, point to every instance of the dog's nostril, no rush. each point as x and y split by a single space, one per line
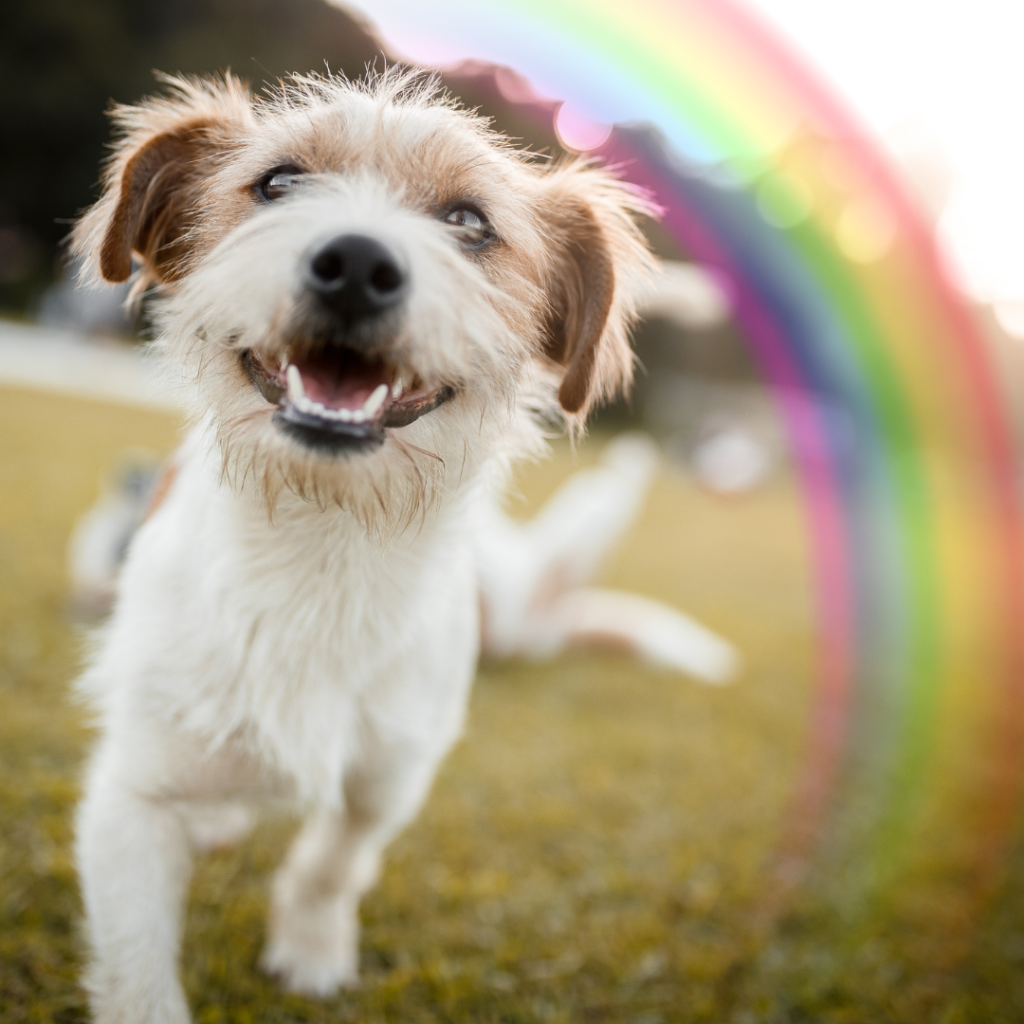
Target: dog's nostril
329 267
386 277
356 277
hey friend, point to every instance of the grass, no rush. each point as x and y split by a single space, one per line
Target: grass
593 849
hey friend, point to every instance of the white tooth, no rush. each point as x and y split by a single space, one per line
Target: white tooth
396 388
295 388
358 416
375 401
344 414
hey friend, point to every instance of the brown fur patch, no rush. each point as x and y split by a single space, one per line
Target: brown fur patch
600 640
168 474
598 256
152 210
152 183
582 293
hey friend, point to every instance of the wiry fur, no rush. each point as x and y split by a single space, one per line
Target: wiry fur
294 623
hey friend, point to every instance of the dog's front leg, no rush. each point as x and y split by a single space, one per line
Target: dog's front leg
314 925
134 861
314 921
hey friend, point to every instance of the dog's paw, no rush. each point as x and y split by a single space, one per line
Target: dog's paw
314 953
309 972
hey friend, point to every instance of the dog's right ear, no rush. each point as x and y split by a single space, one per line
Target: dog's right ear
600 262
169 145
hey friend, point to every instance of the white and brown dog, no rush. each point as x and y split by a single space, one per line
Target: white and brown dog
374 303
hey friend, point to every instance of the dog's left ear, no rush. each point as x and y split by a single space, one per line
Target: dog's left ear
168 145
601 261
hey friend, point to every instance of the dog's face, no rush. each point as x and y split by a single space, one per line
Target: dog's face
369 289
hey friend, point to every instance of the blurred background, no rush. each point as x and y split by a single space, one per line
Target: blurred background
605 844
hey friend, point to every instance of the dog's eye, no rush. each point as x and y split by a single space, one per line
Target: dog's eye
473 227
463 218
279 182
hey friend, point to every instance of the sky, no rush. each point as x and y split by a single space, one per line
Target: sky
947 74
940 80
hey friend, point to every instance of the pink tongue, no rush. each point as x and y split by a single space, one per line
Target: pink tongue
340 381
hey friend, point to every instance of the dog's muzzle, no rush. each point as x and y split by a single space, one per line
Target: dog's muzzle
335 388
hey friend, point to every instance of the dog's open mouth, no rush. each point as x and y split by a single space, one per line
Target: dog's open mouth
338 398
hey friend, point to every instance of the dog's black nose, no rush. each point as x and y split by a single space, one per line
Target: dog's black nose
356 277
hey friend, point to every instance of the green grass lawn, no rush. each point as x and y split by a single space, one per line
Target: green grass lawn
592 850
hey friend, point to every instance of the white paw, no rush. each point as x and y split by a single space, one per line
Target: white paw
314 952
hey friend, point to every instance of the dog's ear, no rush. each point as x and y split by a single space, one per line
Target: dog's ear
601 261
168 145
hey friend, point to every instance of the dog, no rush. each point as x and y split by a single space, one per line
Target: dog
374 305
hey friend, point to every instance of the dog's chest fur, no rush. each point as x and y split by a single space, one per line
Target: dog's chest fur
295 640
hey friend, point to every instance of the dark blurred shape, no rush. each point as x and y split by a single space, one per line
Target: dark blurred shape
63 61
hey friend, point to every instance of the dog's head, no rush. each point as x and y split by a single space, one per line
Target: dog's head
365 283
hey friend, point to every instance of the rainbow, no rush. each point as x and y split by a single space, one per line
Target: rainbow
893 413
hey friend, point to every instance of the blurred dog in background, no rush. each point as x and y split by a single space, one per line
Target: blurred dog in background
375 305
